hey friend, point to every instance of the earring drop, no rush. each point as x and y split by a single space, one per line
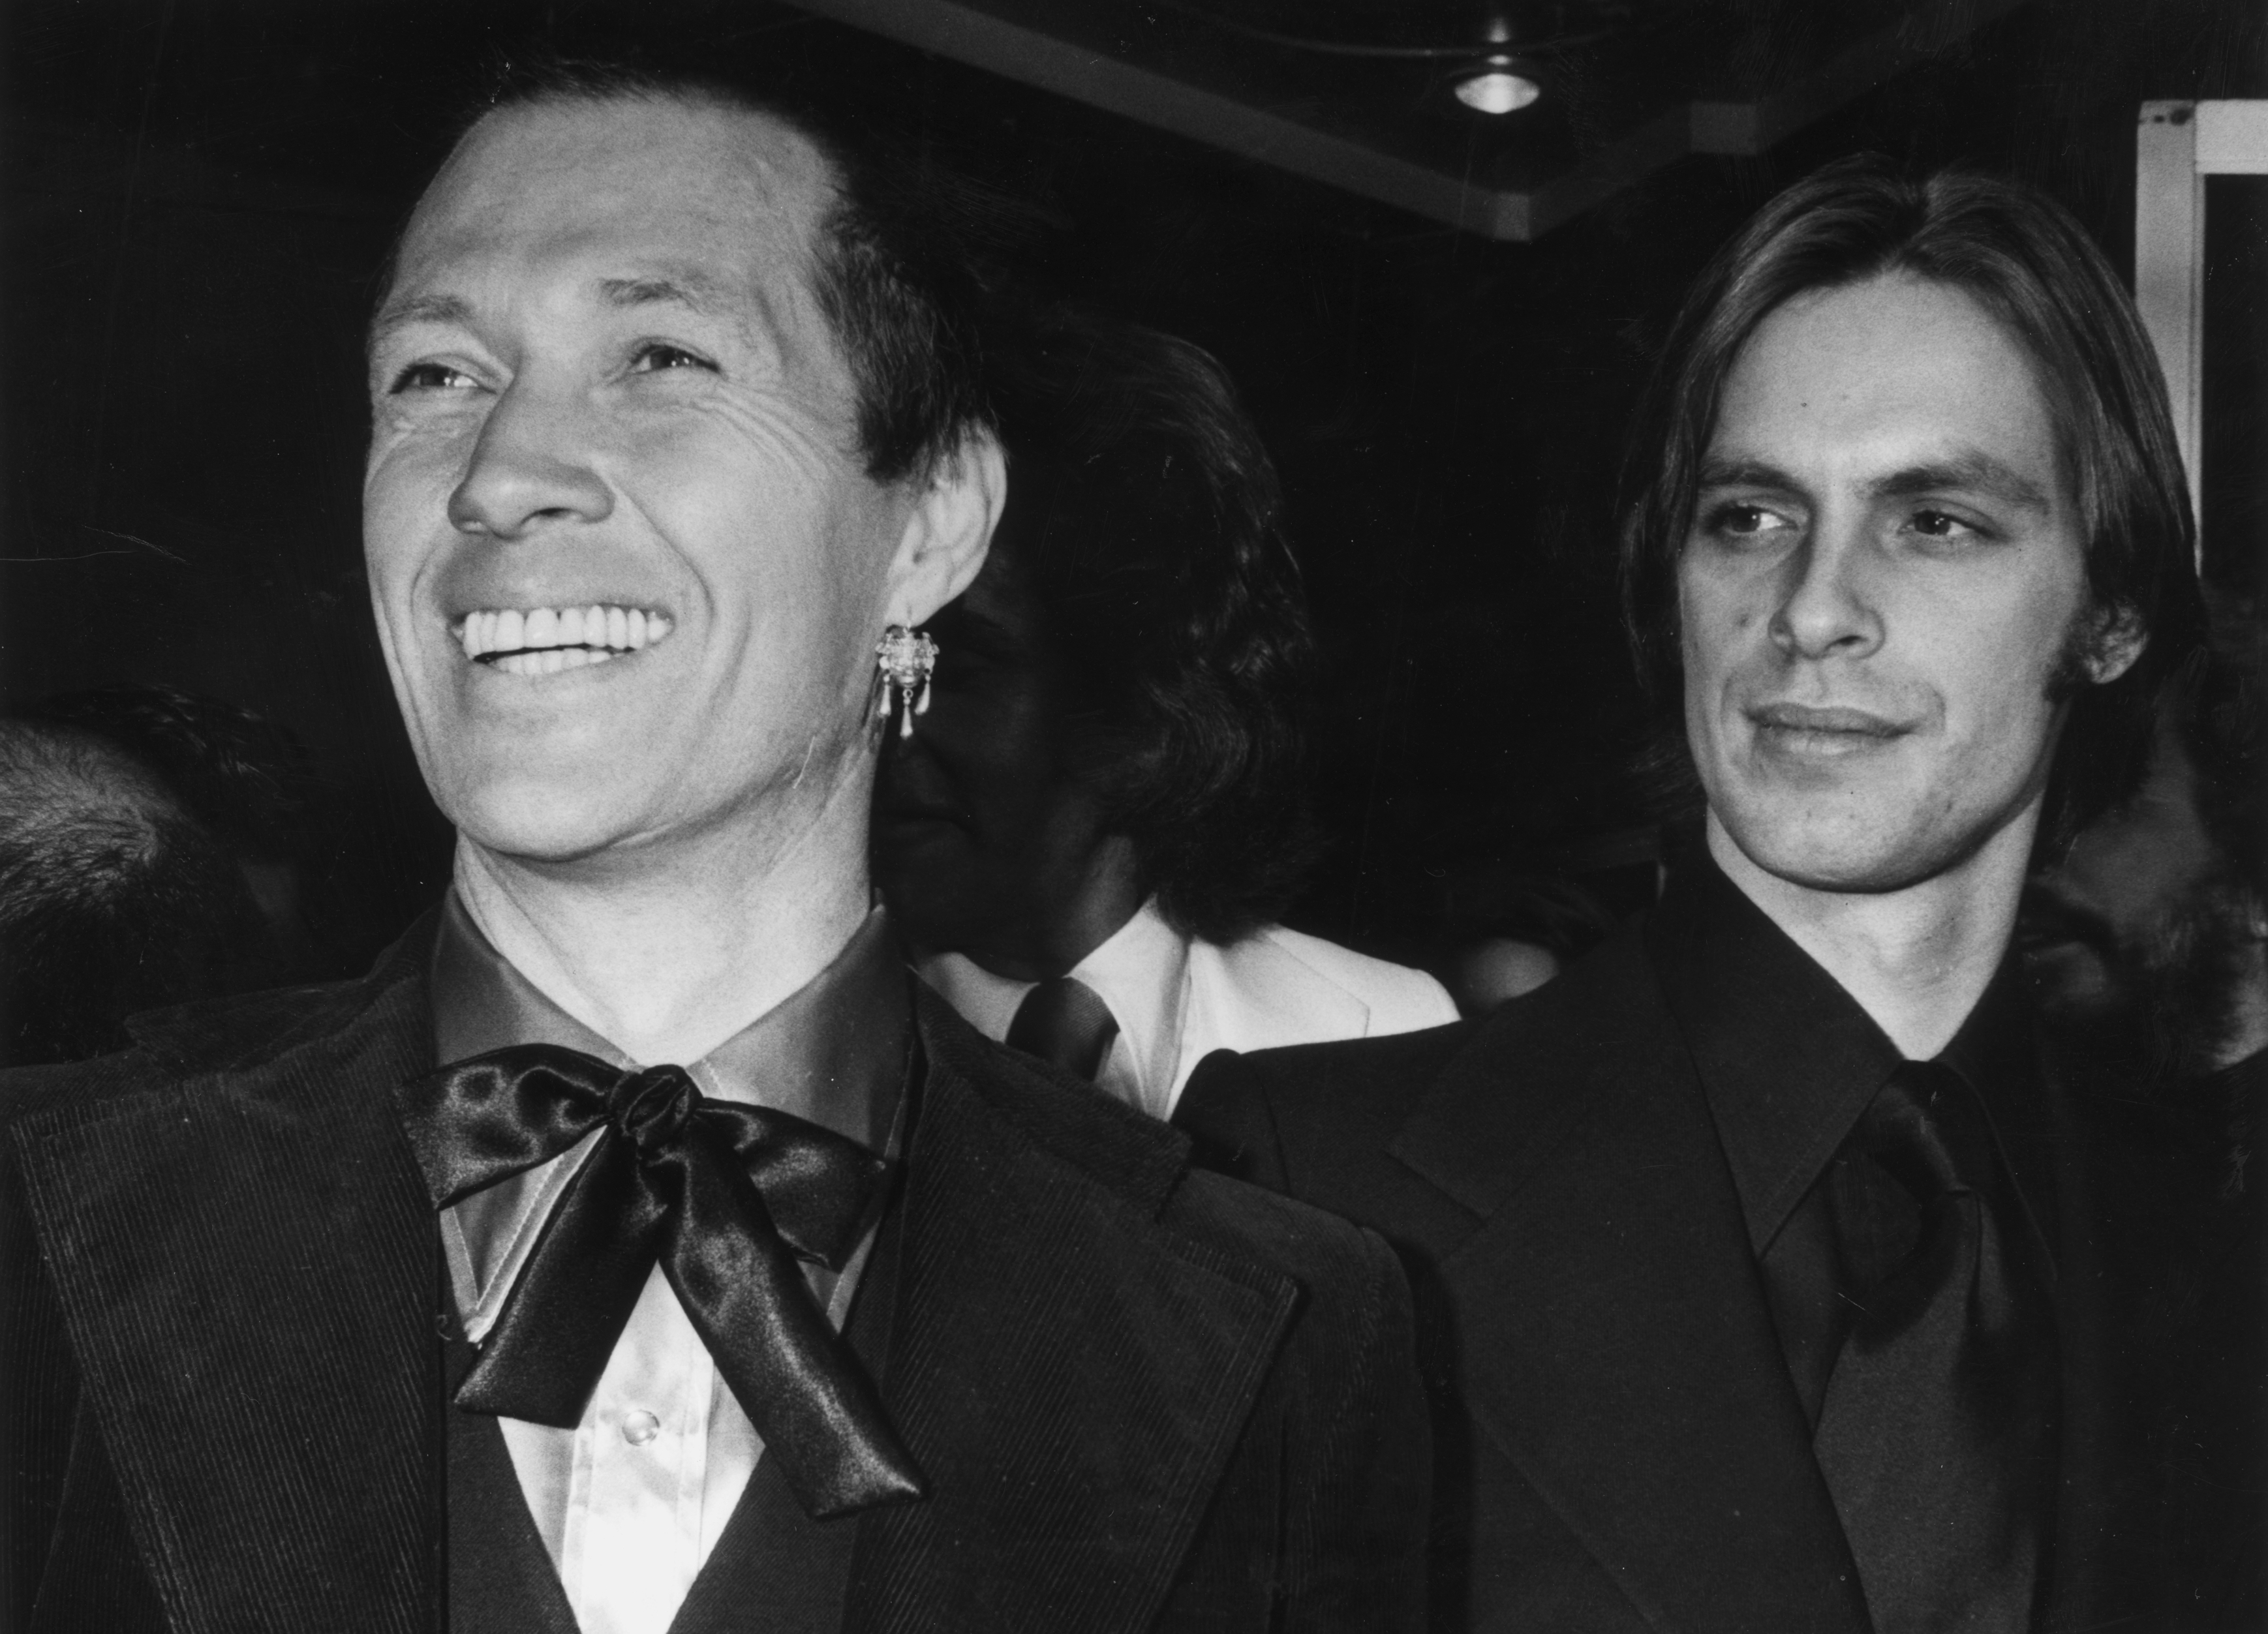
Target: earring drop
904 659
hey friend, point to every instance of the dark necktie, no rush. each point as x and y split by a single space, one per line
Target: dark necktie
1065 1021
728 1198
1935 1432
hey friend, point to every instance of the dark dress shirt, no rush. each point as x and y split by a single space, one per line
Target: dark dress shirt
1788 1061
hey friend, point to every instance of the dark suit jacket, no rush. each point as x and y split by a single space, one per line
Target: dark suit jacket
1143 1398
1618 1442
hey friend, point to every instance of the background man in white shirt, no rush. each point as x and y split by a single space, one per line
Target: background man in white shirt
1088 835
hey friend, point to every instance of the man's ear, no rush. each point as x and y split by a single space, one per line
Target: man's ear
2115 640
950 529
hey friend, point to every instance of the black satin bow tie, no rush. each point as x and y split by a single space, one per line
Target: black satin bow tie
727 1197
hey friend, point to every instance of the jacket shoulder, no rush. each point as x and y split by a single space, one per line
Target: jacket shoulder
1322 1121
217 1030
233 1034
1338 1264
1146 1163
1399 998
1351 1090
1521 1046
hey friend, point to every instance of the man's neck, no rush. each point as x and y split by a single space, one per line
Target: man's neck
1916 959
666 956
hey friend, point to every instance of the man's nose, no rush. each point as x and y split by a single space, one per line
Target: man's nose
1825 609
529 467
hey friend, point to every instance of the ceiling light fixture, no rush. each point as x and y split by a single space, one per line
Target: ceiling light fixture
1499 73
1497 87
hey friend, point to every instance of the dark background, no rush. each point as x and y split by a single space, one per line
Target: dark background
197 194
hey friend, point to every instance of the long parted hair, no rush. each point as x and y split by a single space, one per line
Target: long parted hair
2024 259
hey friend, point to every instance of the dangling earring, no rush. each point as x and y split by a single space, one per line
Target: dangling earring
904 658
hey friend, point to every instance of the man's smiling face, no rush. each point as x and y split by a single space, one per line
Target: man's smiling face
1884 573
627 565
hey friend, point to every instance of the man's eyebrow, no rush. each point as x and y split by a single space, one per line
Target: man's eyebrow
678 288
1746 472
410 309
1973 472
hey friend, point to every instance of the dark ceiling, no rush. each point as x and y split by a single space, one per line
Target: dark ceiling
1360 94
194 196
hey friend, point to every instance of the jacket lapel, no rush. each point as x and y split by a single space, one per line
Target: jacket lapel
1614 1339
246 1268
1071 1375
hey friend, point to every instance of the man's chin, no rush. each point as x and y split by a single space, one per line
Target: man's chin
1847 858
544 825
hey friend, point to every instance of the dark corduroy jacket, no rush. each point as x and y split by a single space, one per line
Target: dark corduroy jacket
1143 1397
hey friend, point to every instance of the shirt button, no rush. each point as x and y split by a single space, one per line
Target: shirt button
640 1427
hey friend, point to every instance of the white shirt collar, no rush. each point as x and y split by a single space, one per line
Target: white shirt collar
1141 971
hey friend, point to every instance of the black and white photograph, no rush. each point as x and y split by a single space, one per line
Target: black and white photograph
1087 816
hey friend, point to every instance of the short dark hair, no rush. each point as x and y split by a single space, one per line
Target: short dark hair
113 898
906 258
1144 514
2024 259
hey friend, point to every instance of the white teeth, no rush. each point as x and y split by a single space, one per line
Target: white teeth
543 641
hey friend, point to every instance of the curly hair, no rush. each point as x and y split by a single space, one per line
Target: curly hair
1143 511
2024 260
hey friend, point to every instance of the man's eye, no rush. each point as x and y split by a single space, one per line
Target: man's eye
1938 524
1744 522
431 377
655 356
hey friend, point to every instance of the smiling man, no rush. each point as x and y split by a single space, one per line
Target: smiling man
1755 1259
634 1249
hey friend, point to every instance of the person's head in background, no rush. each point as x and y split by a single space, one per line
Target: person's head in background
1907 548
131 819
1120 708
244 777
2150 932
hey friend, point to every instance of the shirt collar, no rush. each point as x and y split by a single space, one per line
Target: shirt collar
1140 970
1142 973
833 1052
1788 1059
836 1052
1997 1051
